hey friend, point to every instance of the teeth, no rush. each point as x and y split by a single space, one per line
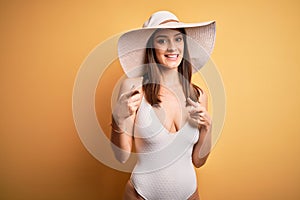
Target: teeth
171 56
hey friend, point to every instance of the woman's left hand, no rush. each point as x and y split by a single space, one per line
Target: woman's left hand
199 115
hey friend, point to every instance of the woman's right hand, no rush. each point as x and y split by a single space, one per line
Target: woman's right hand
129 99
127 105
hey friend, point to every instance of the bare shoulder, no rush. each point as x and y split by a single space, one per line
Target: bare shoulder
131 83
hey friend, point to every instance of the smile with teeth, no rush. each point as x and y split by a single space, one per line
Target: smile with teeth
172 56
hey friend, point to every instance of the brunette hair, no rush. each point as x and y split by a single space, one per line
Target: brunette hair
151 80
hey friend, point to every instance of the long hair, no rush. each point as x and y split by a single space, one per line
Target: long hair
151 81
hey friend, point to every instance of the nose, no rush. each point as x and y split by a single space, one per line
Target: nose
171 47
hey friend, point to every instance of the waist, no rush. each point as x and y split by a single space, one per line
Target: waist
173 182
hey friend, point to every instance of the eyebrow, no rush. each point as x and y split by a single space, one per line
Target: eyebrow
165 36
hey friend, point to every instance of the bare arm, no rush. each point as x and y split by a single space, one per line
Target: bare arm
202 118
123 117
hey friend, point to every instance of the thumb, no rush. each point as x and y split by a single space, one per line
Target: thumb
192 103
132 92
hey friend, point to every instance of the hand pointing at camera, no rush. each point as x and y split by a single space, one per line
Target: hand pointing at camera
127 104
199 115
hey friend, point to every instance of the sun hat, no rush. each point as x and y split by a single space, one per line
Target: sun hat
200 38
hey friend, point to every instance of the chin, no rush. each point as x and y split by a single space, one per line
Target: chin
170 66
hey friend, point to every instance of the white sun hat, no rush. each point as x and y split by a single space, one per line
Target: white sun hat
200 39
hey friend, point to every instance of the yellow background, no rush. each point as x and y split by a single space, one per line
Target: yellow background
43 44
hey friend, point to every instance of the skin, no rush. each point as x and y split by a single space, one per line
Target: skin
169 47
173 113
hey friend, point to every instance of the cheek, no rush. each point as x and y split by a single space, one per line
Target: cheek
159 53
181 48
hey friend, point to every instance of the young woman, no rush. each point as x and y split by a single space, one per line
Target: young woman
160 109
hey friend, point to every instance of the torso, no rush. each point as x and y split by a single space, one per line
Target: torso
164 142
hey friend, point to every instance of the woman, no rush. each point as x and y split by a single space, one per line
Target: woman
160 109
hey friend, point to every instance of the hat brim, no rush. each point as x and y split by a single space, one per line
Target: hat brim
132 45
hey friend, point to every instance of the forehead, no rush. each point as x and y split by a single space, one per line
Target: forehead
167 32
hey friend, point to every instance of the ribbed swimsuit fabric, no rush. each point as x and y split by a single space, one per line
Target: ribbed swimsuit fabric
164 169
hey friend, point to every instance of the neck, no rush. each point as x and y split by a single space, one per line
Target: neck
169 77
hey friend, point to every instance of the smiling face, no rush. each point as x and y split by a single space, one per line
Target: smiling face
169 47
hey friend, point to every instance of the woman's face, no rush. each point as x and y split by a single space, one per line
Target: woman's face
169 47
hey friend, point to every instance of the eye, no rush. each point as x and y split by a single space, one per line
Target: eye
178 39
161 41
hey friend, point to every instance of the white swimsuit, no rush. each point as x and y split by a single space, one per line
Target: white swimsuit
164 169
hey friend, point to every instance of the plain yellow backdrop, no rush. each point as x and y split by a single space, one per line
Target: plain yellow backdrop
43 44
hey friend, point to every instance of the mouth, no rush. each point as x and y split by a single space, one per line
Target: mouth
172 56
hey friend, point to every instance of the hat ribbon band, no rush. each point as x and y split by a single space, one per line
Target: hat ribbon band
167 21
